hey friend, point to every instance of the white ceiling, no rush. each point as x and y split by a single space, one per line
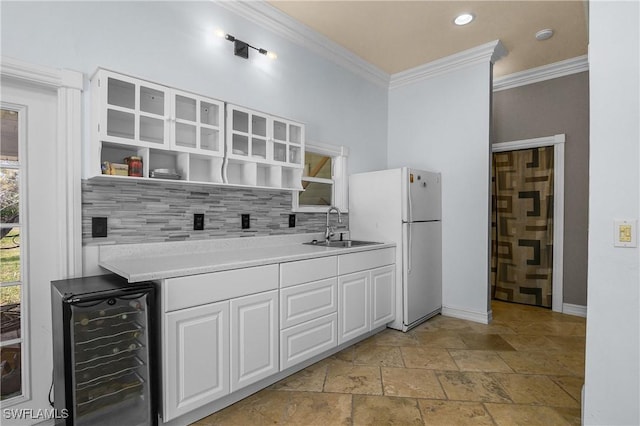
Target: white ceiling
399 35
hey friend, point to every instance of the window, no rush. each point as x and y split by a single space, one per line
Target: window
12 336
324 179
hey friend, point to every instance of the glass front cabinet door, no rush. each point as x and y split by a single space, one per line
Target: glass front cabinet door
134 112
247 134
288 140
197 124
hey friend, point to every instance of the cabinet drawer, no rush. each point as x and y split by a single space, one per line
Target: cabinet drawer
194 290
309 301
354 262
307 340
305 271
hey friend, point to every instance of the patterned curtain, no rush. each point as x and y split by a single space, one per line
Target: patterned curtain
522 226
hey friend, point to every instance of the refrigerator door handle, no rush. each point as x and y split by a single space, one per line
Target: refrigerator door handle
408 247
410 212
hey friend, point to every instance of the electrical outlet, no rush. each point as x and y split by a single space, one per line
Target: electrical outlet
292 221
198 221
98 227
245 221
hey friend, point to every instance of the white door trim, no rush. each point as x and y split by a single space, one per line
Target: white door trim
67 165
557 141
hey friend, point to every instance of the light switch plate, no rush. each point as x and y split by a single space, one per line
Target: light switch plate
625 233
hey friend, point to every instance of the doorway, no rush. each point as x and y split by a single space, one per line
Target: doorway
40 160
527 221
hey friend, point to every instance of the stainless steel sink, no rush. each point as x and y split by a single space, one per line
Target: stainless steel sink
341 244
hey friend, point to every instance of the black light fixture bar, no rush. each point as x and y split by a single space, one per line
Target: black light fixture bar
241 48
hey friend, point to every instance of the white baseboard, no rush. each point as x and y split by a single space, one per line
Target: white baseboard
481 317
577 310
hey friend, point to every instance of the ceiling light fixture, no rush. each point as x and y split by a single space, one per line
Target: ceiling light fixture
241 48
463 19
545 34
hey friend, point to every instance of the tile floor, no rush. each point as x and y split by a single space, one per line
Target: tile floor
525 368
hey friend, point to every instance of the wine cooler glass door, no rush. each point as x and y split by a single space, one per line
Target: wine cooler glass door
110 361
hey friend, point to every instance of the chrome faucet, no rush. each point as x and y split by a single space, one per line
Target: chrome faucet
329 231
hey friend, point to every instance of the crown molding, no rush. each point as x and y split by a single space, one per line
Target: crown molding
488 52
545 72
40 75
270 18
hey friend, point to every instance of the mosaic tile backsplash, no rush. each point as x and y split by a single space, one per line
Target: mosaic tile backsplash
143 212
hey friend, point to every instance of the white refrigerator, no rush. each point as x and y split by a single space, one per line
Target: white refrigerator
403 206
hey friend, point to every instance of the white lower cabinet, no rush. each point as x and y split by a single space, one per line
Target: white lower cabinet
226 330
383 296
196 352
353 305
366 301
254 338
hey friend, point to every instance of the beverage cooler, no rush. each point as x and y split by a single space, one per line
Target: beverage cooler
104 351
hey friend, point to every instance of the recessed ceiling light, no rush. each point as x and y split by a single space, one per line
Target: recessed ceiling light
545 34
463 19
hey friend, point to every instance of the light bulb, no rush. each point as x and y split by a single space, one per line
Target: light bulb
272 55
463 19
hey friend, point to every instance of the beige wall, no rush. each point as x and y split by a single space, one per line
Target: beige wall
547 108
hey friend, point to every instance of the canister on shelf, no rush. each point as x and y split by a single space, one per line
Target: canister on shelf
135 165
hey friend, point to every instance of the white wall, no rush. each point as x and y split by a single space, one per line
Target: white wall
171 43
442 124
612 377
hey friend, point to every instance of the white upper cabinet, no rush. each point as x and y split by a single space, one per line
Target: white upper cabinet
197 124
263 150
247 134
288 142
134 112
183 136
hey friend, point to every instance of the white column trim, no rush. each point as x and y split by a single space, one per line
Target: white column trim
68 86
557 142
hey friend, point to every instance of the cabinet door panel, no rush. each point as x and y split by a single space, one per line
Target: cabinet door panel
198 124
254 338
353 306
382 295
196 358
308 301
306 340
